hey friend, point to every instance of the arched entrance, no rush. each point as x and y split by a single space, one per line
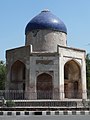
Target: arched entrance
44 86
18 71
72 80
18 76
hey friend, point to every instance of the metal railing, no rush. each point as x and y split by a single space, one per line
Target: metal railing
42 99
22 95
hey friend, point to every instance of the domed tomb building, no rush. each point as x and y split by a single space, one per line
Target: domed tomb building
46 68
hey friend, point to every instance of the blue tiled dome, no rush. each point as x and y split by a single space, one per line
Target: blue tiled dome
46 20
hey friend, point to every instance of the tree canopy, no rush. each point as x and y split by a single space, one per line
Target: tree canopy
2 75
88 70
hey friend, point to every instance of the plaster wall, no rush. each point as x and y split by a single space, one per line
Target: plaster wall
13 55
46 62
37 69
45 40
67 54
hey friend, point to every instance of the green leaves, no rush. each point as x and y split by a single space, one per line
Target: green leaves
88 72
2 75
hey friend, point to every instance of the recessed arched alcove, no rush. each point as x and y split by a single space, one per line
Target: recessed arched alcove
72 80
44 86
17 78
18 71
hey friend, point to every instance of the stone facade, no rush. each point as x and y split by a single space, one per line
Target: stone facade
45 68
45 40
52 64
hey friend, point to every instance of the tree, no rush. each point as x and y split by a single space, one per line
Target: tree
88 73
2 75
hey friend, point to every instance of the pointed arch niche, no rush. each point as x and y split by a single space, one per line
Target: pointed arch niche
72 80
44 86
18 75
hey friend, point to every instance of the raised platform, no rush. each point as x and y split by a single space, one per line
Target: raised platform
73 104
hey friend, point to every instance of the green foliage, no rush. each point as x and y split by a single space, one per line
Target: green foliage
88 71
2 75
10 103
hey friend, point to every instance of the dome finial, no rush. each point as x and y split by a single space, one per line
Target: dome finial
45 10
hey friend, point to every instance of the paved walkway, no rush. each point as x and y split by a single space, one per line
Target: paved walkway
65 117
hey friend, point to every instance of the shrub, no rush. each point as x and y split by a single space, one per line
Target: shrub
10 103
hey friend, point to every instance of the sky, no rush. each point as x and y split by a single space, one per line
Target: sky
15 14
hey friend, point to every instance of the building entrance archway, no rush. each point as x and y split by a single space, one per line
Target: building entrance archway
17 78
44 86
72 80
